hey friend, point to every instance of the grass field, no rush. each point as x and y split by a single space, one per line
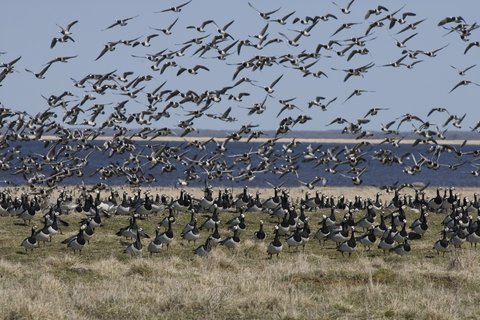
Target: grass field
104 283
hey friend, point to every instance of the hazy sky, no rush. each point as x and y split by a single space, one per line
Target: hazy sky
27 28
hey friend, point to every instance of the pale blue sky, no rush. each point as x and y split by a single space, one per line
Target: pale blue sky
27 28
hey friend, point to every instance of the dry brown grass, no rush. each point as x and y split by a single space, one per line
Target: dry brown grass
103 283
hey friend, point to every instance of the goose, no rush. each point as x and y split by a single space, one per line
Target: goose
330 221
324 231
275 247
170 219
43 234
259 235
130 230
125 207
96 220
136 248
442 244
175 8
474 236
345 10
189 226
193 234
167 237
402 249
236 220
341 235
167 31
41 74
89 230
76 242
255 205
53 227
283 20
269 89
284 226
387 242
380 229
201 28
295 240
215 236
350 245
368 221
233 241
120 22
378 10
264 15
28 214
145 208
305 233
155 245
212 220
241 226
368 239
402 235
193 70
459 237
204 249
30 242
272 202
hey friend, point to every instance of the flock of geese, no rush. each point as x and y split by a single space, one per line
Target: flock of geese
285 222
72 122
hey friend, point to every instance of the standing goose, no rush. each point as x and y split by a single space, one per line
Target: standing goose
323 232
241 226
275 247
215 236
284 226
331 220
233 241
169 219
260 235
436 202
193 234
136 248
350 245
380 229
442 244
368 221
305 233
28 213
368 239
341 235
387 242
420 226
130 230
295 240
30 242
402 249
189 226
155 245
402 235
474 235
212 220
204 249
167 237
43 234
76 242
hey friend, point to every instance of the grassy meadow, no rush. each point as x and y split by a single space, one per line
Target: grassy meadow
104 283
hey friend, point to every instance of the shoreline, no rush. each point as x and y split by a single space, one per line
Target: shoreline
475 142
295 193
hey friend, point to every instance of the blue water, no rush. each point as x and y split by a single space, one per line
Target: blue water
375 175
